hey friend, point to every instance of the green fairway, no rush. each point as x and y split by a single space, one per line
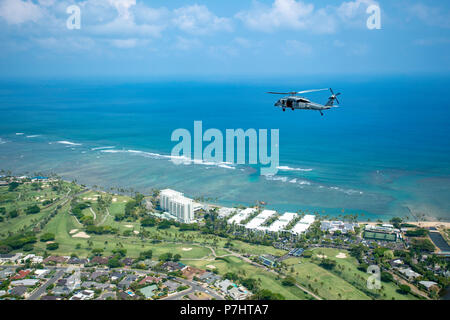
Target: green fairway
27 195
347 280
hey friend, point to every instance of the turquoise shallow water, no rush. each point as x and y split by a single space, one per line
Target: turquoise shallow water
384 152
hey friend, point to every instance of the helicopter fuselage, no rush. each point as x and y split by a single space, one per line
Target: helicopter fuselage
294 102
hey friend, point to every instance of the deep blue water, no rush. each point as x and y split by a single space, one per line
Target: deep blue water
386 149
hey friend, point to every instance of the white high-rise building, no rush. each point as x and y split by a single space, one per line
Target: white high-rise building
177 205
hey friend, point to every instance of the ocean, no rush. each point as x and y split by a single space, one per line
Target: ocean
384 152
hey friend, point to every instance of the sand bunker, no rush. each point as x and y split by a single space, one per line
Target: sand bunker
48 242
136 232
81 234
341 255
210 266
128 226
321 256
186 249
73 231
114 199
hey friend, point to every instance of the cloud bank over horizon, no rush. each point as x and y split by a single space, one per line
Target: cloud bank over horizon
229 37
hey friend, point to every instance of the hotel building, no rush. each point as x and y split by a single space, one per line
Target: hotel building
177 205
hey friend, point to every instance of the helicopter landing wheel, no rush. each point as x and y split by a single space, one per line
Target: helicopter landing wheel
292 109
284 109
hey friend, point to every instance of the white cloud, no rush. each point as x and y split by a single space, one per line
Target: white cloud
198 20
433 16
122 7
351 9
124 24
287 14
18 11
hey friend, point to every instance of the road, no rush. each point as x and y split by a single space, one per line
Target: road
42 289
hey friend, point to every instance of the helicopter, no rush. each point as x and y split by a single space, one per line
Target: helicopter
296 102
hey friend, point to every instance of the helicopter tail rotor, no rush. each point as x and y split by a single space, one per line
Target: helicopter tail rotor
334 96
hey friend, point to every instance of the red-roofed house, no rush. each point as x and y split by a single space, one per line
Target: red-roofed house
21 274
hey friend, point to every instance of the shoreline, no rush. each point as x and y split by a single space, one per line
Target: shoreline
423 224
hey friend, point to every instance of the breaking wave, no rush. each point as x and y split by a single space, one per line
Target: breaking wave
287 168
181 159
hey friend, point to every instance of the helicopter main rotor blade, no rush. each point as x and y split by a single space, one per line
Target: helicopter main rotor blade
312 90
280 92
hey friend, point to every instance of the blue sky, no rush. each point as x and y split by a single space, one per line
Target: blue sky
222 38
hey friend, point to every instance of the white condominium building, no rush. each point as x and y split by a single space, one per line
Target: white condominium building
177 205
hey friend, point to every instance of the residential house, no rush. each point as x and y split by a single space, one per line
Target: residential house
41 273
61 291
209 277
171 285
238 293
95 285
25 282
18 291
61 282
32 258
55 259
408 273
149 279
83 295
127 281
100 260
149 291
190 272
21 274
77 261
430 285
117 276
7 273
97 274
172 266
10 257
